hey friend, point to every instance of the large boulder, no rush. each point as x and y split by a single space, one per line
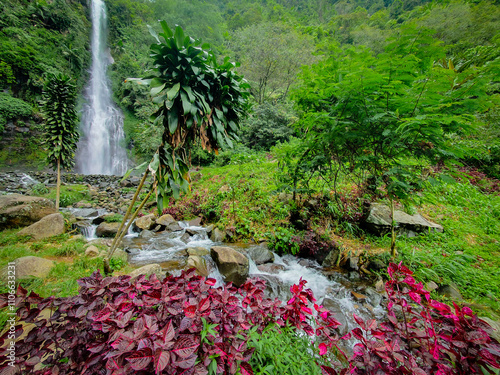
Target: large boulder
145 222
84 212
165 220
147 270
379 222
107 229
260 254
18 210
48 226
232 265
217 235
29 266
169 223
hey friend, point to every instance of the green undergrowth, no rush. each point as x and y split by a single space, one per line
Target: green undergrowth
241 197
70 194
68 252
245 198
282 351
467 253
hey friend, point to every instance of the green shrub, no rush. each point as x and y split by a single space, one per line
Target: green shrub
114 218
11 108
39 189
282 351
282 242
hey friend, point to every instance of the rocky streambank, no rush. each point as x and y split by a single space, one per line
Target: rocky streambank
103 191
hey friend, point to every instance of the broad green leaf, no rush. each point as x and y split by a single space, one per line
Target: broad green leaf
172 93
156 90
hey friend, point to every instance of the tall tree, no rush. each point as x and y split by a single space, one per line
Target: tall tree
199 100
271 56
381 116
60 125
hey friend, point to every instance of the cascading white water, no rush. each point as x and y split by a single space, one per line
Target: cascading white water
100 150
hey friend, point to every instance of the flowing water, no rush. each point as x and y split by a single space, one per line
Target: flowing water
100 149
331 289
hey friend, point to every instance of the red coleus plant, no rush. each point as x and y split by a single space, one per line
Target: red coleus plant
422 336
120 326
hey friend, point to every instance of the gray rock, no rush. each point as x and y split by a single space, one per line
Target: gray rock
145 222
217 235
353 263
271 268
192 232
379 222
85 212
18 210
232 265
165 220
107 229
209 229
29 266
185 237
199 251
48 226
260 254
146 234
450 291
337 310
331 258
195 222
173 227
147 270
92 251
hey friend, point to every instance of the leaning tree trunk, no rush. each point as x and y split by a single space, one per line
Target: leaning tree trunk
393 231
58 185
123 229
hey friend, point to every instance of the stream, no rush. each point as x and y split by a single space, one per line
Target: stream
332 289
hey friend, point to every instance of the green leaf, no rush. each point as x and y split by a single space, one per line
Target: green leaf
156 90
172 93
166 29
153 33
173 120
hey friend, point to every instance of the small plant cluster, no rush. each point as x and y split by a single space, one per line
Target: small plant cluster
312 245
350 206
185 208
307 244
185 325
480 179
282 242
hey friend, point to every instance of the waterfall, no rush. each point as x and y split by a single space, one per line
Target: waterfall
100 148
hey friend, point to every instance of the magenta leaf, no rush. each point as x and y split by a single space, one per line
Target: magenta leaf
140 359
185 346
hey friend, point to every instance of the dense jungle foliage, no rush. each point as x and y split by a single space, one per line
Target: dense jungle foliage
351 102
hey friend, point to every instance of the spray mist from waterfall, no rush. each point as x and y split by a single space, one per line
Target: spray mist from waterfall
100 150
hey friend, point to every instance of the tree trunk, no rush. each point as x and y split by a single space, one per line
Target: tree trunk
393 231
58 185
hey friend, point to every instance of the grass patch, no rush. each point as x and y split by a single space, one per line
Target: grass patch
70 194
